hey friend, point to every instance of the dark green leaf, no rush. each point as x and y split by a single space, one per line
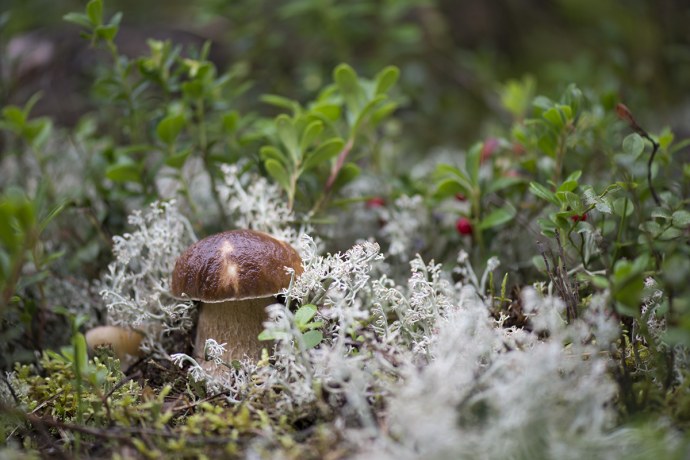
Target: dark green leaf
347 174
230 121
178 159
170 127
124 172
497 217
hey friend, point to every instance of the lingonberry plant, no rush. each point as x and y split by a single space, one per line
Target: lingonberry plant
524 297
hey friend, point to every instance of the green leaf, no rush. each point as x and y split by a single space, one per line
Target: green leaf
497 217
312 339
273 335
78 18
106 33
230 121
282 102
633 145
543 193
347 174
304 314
473 162
45 221
94 10
178 159
622 205
502 183
385 79
681 219
278 173
660 213
170 127
628 286
383 111
449 187
548 227
269 152
37 131
288 136
15 116
567 186
330 112
554 117
81 356
366 111
310 133
266 335
454 173
323 153
124 172
346 79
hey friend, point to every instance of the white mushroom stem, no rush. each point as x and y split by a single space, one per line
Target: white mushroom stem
237 323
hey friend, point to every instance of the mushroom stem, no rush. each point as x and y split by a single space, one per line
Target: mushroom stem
237 323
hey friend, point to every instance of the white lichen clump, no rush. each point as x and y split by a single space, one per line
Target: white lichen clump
136 287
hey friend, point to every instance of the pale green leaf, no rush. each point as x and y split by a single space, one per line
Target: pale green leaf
278 173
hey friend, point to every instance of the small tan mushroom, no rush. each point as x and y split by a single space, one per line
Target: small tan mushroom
124 342
235 275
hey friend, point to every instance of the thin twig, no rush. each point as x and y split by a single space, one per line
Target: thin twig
626 115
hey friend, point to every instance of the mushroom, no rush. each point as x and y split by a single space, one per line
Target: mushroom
235 275
124 342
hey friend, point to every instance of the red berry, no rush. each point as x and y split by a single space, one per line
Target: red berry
463 226
579 217
489 147
375 202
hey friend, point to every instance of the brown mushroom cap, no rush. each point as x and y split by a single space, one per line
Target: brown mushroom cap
234 265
